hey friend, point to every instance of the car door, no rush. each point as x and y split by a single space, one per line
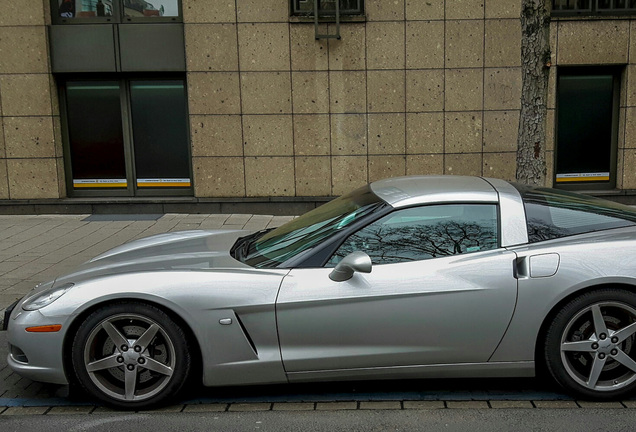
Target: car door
441 291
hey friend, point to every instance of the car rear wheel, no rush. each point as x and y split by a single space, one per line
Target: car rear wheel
590 347
131 356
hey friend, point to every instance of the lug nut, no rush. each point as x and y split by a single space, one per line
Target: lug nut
120 359
601 356
603 336
124 348
141 360
131 367
137 348
614 352
594 346
614 339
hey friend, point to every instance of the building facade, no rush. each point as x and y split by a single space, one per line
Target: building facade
211 101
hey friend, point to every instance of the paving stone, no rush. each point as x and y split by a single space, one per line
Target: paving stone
630 403
59 410
205 408
556 404
105 410
467 404
600 405
25 411
424 404
336 406
381 405
168 409
293 406
511 404
250 407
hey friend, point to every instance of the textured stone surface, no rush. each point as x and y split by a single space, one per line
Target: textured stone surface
510 404
209 11
347 173
463 132
500 131
4 181
25 95
268 135
310 92
385 10
464 89
424 44
336 406
266 92
463 164
467 404
348 92
217 135
502 89
2 149
269 176
218 176
424 10
380 405
593 42
464 9
32 178
293 406
349 134
348 53
23 50
555 404
313 176
29 137
311 135
387 92
263 10
214 93
425 90
423 404
23 13
464 43
381 167
385 45
264 47
211 47
500 165
307 53
503 8
387 134
503 43
424 133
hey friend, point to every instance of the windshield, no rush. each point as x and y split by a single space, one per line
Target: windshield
303 233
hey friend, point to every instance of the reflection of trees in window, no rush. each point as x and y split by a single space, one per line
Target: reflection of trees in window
411 242
541 231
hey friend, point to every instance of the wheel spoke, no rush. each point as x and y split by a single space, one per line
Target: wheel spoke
117 338
595 373
158 367
130 383
626 332
581 346
105 363
599 321
625 360
145 339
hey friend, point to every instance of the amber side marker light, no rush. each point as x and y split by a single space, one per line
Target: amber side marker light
45 329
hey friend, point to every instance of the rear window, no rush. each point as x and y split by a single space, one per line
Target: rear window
555 213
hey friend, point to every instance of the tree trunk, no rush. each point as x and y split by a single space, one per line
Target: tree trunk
535 63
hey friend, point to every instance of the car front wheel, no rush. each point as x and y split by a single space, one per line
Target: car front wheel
131 356
590 347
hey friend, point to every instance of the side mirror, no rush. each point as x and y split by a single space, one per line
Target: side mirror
354 262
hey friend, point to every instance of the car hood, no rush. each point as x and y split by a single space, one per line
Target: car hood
184 250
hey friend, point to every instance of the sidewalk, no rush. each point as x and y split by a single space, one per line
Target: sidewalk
36 249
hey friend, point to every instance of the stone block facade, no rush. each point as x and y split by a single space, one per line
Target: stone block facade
417 87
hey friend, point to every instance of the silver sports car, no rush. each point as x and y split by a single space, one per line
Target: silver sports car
407 277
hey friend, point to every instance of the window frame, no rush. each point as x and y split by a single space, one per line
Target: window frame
293 12
131 190
355 229
593 10
117 17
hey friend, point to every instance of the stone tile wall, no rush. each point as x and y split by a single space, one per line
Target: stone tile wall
31 163
419 88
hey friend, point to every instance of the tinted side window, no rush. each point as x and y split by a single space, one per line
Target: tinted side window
553 213
426 232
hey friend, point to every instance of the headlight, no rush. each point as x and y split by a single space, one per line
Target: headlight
46 297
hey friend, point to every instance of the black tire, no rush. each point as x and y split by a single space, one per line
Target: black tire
590 347
131 355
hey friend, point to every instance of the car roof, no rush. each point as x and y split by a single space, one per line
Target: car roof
413 190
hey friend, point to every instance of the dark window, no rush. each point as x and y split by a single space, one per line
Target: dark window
593 7
90 11
587 107
326 7
554 213
127 137
422 233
